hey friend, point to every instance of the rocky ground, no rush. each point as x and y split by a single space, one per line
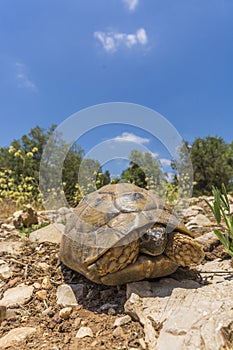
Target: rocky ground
44 305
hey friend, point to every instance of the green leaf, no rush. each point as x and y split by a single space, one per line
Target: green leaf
226 201
223 239
210 205
217 212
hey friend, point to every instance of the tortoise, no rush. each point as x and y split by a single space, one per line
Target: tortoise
122 233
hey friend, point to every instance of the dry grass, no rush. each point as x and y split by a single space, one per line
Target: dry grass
7 208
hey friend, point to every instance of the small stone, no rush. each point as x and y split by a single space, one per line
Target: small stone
66 296
111 311
18 295
104 294
84 332
5 270
65 312
2 313
77 322
47 311
106 306
41 294
120 321
94 343
46 283
43 265
118 332
16 335
36 285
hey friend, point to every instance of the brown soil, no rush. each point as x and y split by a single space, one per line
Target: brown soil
52 331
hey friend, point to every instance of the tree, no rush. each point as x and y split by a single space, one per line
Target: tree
24 155
212 161
144 171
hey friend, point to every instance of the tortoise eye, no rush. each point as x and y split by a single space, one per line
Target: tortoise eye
146 237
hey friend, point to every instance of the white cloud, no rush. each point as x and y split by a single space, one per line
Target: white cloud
165 162
112 41
131 4
142 37
22 77
130 137
154 154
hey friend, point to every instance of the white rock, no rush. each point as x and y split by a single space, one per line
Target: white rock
16 335
192 211
191 316
66 296
84 332
120 321
8 227
216 271
5 270
10 247
207 239
17 295
51 233
200 220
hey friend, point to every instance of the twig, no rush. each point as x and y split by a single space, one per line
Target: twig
56 283
26 272
22 307
18 262
229 272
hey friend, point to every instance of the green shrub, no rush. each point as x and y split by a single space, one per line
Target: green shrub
221 210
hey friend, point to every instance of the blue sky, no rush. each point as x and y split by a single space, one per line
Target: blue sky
58 57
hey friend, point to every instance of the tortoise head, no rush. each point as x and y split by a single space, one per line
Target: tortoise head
154 240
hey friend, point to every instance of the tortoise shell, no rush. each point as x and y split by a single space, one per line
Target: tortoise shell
104 236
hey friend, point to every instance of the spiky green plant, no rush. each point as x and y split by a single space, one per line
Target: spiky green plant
221 210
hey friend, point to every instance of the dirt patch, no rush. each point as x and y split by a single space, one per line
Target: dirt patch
97 308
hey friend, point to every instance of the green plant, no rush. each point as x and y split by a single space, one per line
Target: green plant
221 210
25 231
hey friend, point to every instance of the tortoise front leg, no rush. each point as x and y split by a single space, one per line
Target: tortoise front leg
145 267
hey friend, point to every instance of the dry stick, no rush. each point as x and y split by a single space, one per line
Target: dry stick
229 272
18 262
22 307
